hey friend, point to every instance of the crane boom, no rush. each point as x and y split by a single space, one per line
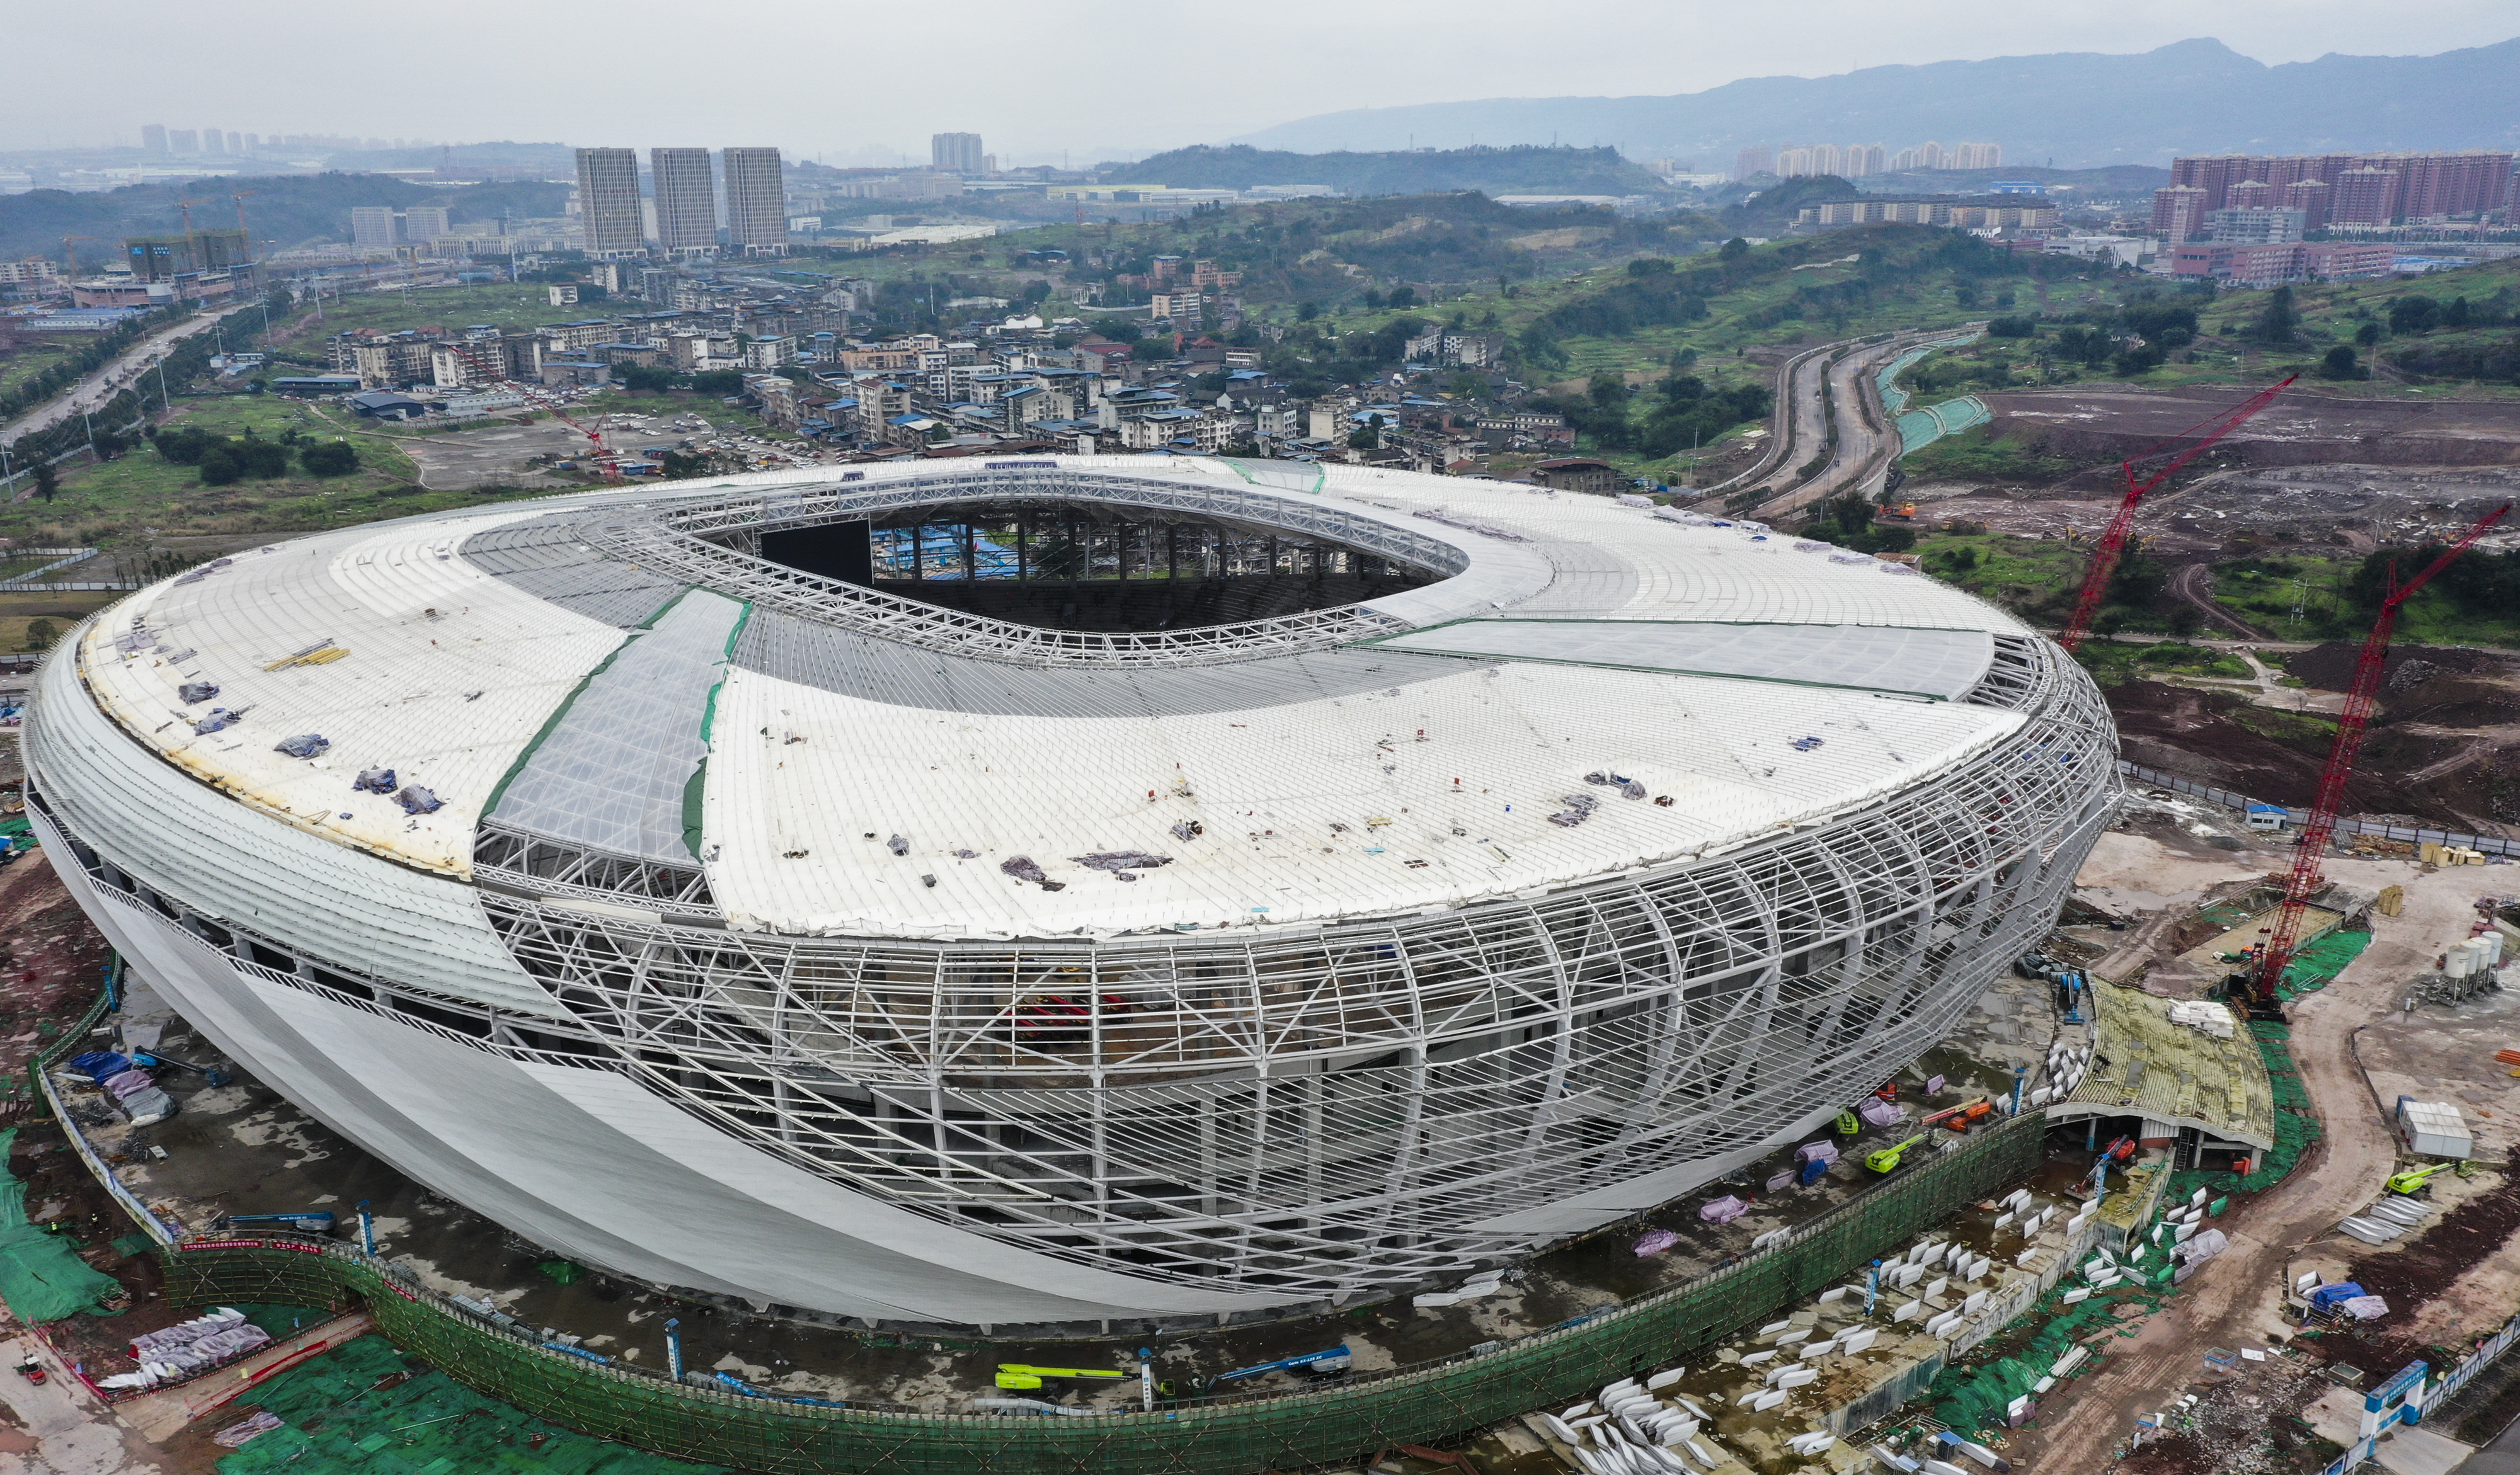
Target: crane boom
2104 555
2304 879
604 455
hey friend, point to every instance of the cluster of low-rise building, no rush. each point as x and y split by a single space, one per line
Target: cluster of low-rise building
800 358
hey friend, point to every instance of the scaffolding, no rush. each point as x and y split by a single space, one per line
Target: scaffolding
1232 1435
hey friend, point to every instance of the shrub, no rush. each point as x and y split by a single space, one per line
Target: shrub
331 458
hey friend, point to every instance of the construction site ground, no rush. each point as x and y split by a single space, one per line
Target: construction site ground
2457 1279
2444 750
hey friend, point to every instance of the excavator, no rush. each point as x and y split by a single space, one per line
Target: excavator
1026 1375
2415 1181
1886 1160
1960 1119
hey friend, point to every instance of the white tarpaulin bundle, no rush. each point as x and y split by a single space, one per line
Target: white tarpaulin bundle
2206 1244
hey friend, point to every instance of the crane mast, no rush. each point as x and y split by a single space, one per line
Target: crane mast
2305 879
2112 544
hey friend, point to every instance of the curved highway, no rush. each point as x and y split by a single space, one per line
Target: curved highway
1830 411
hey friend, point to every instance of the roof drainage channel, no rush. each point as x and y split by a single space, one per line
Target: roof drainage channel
613 772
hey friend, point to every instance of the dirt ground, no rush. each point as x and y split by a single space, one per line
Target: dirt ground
2237 1300
2306 426
2444 750
498 454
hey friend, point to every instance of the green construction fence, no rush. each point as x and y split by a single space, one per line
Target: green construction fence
1228 1436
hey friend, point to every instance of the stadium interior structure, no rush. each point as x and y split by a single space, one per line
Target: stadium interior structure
1021 895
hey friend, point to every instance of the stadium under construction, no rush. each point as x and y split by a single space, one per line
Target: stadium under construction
1020 895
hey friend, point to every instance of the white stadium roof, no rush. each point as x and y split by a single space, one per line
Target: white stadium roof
1690 656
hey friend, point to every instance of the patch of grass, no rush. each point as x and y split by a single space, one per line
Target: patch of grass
27 361
2264 591
141 497
2193 661
2293 728
1975 456
2023 574
512 307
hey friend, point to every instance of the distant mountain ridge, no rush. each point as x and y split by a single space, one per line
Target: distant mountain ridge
2082 109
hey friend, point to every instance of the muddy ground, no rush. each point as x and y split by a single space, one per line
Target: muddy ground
2444 750
2306 426
2237 512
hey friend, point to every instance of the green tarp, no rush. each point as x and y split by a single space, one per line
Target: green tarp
336 1418
41 1277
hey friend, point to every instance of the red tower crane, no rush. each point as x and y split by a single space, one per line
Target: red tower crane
2304 879
604 456
2105 556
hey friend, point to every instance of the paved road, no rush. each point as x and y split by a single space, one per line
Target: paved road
1833 386
2193 584
2237 1299
113 377
57 1429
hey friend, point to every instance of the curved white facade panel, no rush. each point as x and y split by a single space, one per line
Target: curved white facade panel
839 949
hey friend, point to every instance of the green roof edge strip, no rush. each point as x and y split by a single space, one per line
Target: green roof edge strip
1320 475
696 787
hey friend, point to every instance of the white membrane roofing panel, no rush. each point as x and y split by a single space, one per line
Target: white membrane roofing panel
1940 663
448 673
1426 795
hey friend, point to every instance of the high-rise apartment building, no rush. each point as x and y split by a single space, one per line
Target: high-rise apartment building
685 201
184 143
955 153
608 203
214 141
1976 157
756 201
152 138
1758 159
2254 225
2179 213
2355 189
373 225
235 142
426 222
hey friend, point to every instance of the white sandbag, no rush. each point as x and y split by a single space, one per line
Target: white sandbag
1856 1340
1667 1378
1761 1403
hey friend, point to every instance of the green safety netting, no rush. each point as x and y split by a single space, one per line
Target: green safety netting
1979 1397
2296 1124
336 1417
41 1275
2315 964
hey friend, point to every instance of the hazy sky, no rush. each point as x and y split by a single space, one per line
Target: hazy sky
856 78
